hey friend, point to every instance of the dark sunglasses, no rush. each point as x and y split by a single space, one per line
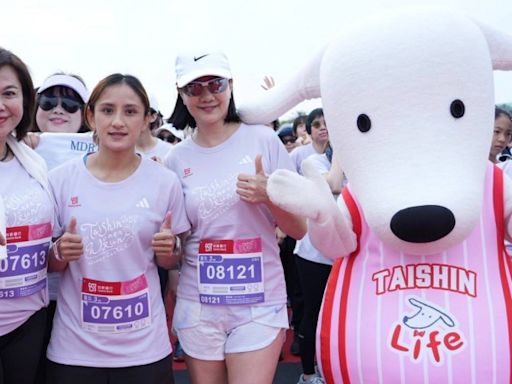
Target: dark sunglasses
289 140
70 105
214 86
318 124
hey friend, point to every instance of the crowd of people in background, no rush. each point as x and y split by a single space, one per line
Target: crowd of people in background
109 208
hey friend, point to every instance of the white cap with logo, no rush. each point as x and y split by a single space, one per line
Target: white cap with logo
191 67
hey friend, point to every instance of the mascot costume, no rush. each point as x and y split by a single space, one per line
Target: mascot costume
420 291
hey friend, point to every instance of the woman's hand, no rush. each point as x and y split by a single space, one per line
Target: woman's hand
32 139
164 244
253 188
3 249
67 248
280 236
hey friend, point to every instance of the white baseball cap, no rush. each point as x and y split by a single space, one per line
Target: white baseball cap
65 81
170 128
191 67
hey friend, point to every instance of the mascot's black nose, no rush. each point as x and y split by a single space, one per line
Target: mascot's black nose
422 224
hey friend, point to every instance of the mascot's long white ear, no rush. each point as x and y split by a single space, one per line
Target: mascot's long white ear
272 104
500 47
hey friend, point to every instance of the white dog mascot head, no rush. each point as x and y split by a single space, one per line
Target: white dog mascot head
409 103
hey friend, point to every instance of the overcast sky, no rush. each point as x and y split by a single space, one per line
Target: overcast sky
94 38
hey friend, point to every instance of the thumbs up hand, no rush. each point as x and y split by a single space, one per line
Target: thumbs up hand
69 246
164 244
71 228
253 188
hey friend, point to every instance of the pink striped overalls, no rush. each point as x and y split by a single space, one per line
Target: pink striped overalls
390 317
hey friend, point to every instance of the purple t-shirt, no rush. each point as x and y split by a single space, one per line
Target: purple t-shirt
110 311
209 177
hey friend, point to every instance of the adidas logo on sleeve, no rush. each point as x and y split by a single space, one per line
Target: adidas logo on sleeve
143 203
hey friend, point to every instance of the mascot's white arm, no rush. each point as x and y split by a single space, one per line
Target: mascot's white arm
310 196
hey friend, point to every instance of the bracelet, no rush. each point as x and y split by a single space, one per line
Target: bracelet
56 252
177 246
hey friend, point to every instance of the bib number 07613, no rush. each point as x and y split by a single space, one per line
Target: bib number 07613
23 262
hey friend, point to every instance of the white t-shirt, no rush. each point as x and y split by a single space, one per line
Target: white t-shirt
117 222
209 177
304 248
57 147
29 216
160 150
300 153
506 166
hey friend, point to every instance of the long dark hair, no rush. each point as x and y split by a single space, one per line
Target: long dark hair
7 58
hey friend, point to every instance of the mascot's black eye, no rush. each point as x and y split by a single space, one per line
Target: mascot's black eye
457 109
364 123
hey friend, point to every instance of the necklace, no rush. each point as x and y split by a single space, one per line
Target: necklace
6 154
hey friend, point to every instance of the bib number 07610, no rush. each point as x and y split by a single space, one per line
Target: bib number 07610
118 312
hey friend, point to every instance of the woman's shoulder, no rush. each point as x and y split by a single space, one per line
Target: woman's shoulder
67 169
259 130
157 170
264 129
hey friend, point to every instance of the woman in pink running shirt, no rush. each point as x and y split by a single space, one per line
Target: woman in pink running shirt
28 216
117 215
231 312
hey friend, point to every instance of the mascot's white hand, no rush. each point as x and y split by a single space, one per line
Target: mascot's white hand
308 195
287 190
330 232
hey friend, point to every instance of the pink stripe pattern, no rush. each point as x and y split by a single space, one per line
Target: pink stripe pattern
440 318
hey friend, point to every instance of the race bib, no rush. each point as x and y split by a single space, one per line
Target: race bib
114 307
230 272
23 272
